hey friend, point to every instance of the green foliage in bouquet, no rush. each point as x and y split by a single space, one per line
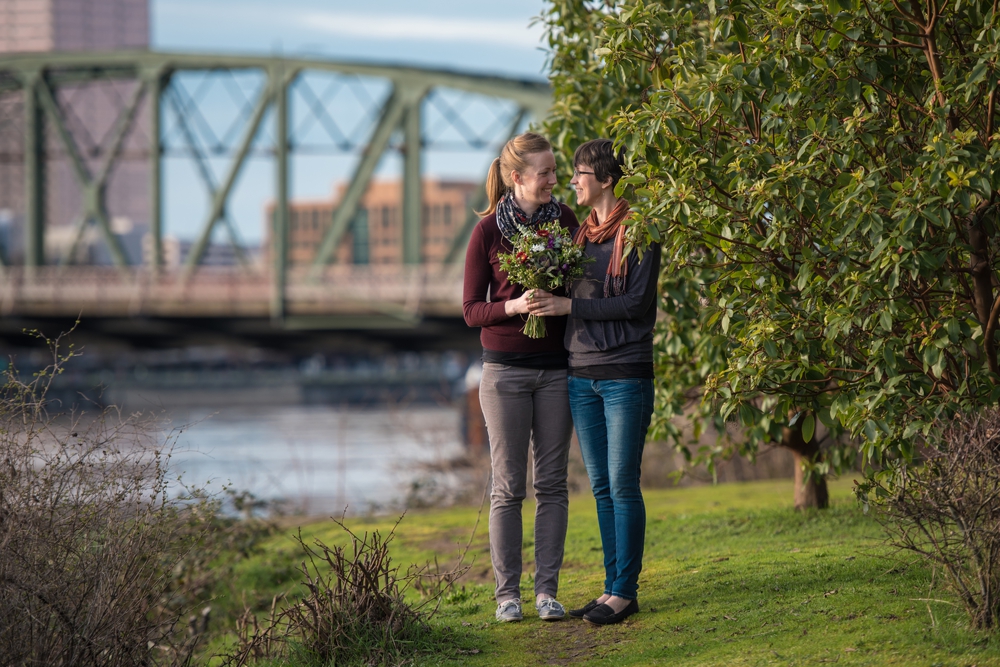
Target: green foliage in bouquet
543 258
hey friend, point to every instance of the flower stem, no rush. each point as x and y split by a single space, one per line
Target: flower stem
534 327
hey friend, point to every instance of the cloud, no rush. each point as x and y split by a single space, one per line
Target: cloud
513 34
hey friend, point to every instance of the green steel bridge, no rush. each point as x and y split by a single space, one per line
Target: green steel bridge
284 297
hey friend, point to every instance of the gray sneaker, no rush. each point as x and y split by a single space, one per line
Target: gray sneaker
550 610
509 611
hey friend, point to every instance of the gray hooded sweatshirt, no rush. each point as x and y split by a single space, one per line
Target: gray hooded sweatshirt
603 331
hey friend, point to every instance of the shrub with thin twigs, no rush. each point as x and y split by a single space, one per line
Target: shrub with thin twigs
354 609
947 509
91 545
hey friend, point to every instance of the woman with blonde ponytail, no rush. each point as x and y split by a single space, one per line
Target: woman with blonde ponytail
523 389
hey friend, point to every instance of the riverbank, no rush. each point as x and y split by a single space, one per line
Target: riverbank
733 576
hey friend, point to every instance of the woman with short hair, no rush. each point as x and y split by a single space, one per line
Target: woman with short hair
523 389
609 336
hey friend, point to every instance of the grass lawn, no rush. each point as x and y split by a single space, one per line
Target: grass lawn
733 576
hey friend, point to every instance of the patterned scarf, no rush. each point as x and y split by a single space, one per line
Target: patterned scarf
595 232
511 219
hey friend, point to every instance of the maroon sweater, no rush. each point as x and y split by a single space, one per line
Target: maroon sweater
483 276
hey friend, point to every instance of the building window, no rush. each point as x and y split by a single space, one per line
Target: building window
447 215
385 217
359 232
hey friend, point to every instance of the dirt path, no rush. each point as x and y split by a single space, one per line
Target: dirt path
574 640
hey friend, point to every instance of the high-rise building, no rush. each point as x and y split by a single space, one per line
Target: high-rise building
73 25
91 111
375 236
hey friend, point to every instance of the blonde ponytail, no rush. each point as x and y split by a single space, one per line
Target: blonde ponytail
513 157
495 189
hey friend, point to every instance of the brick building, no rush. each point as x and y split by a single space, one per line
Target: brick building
375 236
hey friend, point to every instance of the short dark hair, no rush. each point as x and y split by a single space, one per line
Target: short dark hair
600 155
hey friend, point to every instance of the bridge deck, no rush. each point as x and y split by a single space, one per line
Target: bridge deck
406 292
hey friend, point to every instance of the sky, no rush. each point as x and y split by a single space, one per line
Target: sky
474 36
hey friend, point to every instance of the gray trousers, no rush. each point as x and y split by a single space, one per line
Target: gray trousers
525 408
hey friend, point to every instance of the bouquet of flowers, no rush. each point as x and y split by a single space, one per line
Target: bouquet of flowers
543 258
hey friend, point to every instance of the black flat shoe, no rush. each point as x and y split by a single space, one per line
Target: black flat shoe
604 615
579 613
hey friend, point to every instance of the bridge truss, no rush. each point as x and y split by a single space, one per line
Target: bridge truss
400 107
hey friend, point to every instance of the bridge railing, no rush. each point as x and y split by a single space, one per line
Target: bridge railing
403 292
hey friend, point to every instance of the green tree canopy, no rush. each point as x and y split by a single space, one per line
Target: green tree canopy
822 176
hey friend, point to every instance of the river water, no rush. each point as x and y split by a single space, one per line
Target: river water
319 459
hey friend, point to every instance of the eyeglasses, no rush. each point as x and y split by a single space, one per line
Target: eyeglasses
577 172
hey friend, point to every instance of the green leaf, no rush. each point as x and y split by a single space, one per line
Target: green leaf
978 74
871 430
808 427
954 329
889 356
741 30
853 87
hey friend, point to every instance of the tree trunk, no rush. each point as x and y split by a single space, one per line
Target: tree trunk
810 489
982 277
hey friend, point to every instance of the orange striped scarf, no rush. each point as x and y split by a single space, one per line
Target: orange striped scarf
599 232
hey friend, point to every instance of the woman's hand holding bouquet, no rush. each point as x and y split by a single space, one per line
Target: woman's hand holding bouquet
544 258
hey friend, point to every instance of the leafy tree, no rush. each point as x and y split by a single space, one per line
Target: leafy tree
586 100
827 171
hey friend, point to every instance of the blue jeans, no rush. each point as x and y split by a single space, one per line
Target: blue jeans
611 418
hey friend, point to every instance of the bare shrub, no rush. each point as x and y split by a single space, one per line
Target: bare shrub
947 509
354 610
90 541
